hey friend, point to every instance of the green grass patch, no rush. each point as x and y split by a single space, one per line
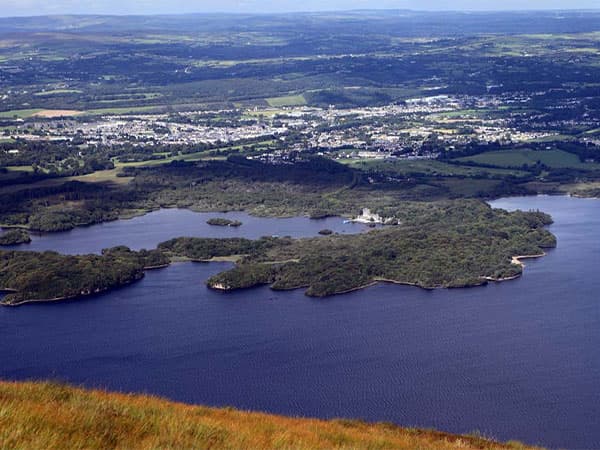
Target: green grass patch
19 113
556 159
594 131
432 168
554 138
20 168
102 176
289 100
262 112
198 156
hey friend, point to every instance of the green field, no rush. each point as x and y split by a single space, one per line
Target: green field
198 156
290 100
431 167
102 176
19 168
556 159
19 113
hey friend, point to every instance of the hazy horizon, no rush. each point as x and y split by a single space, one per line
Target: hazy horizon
15 8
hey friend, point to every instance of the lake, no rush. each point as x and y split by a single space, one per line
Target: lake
514 360
149 230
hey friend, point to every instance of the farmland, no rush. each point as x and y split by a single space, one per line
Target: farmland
96 123
290 100
555 159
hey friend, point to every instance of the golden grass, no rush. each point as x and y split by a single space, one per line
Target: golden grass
54 113
55 416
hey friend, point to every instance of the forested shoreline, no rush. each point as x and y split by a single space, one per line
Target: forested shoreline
444 244
449 245
48 276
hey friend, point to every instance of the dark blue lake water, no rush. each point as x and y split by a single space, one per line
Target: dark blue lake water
515 360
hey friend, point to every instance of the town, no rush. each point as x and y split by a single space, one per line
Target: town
414 129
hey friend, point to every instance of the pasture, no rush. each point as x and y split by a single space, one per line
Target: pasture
289 100
555 159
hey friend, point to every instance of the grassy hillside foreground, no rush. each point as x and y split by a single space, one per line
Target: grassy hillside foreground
49 415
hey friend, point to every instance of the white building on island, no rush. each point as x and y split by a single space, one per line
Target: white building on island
368 217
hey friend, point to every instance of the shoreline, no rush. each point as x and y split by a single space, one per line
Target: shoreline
516 260
66 298
162 266
127 215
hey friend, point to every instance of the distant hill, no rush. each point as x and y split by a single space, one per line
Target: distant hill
52 416
376 22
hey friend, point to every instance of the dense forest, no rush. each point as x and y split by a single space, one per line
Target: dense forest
47 276
222 222
439 244
313 186
235 184
15 237
448 244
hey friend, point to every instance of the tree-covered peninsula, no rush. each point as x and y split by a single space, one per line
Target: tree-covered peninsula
444 244
49 276
15 237
441 245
